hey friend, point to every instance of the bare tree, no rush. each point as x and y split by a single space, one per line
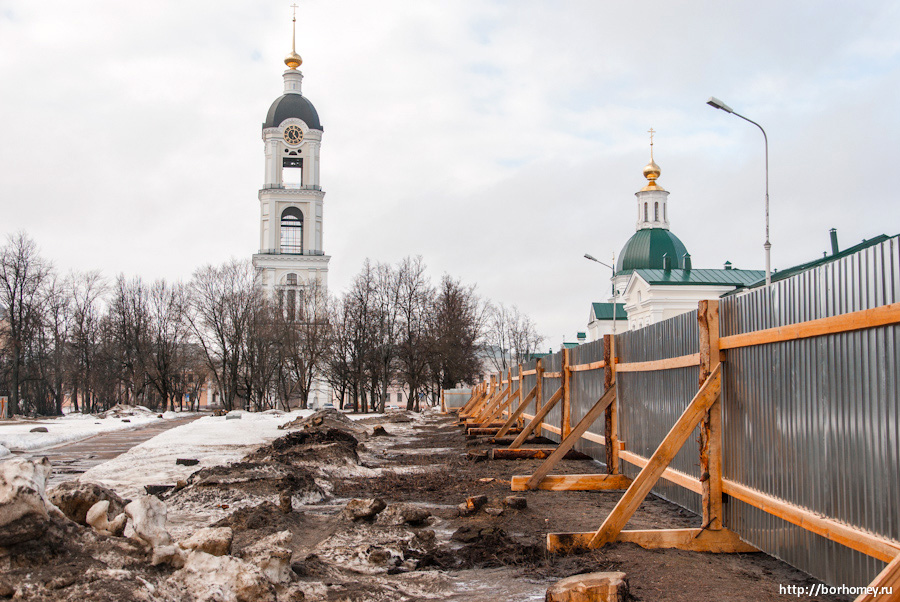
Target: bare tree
87 290
22 274
511 337
337 365
160 351
304 338
457 322
222 302
415 304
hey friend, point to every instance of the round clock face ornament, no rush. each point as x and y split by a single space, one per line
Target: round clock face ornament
293 135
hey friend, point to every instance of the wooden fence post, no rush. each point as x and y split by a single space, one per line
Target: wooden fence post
711 427
538 397
565 426
611 431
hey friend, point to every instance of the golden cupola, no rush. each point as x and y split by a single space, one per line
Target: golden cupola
293 60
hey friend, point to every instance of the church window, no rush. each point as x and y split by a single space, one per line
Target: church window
665 212
291 279
292 231
292 172
645 212
656 212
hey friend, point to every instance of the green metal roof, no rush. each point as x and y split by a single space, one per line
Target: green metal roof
645 250
604 311
797 269
569 345
708 277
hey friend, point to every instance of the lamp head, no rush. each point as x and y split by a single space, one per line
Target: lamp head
589 256
718 104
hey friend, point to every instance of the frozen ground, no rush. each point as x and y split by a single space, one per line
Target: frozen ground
17 436
213 440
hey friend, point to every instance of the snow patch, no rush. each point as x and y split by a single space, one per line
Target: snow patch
65 429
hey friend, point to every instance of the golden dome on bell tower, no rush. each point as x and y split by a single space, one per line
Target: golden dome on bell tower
652 171
293 60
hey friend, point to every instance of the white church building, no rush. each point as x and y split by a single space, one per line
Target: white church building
654 278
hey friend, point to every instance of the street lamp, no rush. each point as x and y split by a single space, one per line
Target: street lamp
615 290
718 104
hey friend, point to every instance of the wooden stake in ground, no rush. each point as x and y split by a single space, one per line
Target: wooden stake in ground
565 426
711 426
611 426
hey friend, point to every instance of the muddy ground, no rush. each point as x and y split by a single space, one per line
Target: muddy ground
418 548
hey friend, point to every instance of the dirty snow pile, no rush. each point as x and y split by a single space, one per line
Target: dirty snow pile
213 440
3 451
29 435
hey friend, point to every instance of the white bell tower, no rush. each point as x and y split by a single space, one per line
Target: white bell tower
291 252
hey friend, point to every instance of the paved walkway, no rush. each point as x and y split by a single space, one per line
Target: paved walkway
73 459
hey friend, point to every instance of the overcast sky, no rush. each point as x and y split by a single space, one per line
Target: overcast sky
499 140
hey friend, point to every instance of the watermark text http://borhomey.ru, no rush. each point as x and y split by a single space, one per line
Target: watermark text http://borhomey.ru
820 589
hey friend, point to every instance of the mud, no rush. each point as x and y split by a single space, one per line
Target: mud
421 547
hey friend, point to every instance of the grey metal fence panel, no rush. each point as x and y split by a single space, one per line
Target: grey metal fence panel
551 363
651 402
454 399
586 388
527 384
816 422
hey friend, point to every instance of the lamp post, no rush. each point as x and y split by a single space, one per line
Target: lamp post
615 291
718 104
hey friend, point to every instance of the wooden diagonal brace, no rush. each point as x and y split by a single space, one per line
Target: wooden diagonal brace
498 412
489 408
660 459
887 578
539 417
518 412
569 442
476 397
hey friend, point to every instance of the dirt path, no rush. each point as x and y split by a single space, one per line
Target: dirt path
73 459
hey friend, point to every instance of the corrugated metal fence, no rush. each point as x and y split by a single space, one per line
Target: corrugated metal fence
813 421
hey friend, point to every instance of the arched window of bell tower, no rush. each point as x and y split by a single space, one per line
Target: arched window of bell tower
292 169
656 212
292 231
645 212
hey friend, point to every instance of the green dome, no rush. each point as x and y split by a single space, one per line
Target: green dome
646 249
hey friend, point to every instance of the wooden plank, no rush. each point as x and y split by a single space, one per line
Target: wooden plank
537 419
886 586
586 367
525 453
574 482
669 363
569 442
858 320
553 374
610 418
862 541
711 425
660 459
518 412
484 432
539 396
723 541
529 372
565 420
501 407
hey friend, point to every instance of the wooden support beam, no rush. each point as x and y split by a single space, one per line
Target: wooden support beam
587 367
682 479
476 397
857 320
611 419
523 403
569 442
660 459
503 405
538 419
711 426
669 363
565 421
574 482
887 580
539 396
723 541
525 453
530 440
